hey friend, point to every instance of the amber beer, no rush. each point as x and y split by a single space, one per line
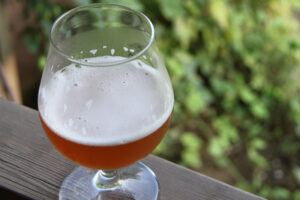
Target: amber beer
106 118
107 157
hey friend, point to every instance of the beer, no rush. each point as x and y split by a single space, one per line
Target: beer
106 117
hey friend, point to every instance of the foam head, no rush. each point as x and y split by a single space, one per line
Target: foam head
106 105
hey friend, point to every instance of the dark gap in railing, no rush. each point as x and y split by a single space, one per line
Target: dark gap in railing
11 195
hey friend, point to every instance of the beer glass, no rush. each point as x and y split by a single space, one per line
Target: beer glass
105 101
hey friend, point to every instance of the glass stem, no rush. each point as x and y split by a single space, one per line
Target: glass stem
108 173
107 179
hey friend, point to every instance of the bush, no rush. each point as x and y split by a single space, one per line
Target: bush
234 67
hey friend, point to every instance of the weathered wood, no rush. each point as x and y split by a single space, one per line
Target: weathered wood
31 167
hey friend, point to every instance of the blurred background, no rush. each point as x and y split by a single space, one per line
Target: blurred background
234 66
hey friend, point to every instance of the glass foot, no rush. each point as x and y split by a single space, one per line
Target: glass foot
135 182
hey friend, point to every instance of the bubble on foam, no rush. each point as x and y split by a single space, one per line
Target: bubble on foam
65 107
70 122
46 113
88 104
153 117
83 130
51 69
165 105
122 141
68 89
43 94
151 107
125 48
93 51
112 51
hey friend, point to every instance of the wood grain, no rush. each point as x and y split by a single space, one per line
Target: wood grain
33 169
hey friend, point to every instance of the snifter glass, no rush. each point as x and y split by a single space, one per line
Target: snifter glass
105 101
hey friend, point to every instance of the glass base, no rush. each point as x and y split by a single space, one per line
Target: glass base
135 182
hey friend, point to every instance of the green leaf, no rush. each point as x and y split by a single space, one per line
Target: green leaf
41 62
247 95
258 143
266 191
171 8
175 68
57 10
185 30
227 132
296 194
257 182
219 85
191 147
296 172
187 60
215 148
191 141
256 158
296 5
218 10
259 110
281 193
255 130
194 102
191 159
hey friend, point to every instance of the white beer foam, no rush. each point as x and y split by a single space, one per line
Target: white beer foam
107 105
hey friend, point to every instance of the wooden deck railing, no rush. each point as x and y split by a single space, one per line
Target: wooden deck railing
31 168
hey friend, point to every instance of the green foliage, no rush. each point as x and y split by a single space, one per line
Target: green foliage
190 154
296 195
218 146
297 174
253 152
171 8
280 193
234 66
36 38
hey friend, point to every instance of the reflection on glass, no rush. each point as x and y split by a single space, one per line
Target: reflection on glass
105 101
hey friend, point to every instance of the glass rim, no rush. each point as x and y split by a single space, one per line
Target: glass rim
81 61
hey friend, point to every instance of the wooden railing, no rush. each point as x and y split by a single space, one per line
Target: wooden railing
31 168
